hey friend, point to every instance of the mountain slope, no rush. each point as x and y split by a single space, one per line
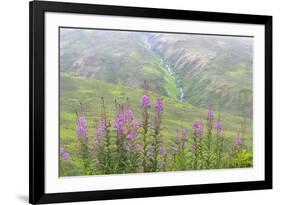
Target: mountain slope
201 70
213 70
117 57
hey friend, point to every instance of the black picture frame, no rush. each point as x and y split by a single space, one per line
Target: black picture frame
37 11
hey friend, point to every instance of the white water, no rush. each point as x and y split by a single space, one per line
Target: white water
169 69
173 75
182 94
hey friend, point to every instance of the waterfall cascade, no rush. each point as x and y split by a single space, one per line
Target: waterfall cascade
169 69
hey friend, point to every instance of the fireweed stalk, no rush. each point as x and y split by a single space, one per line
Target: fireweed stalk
183 146
82 135
106 127
159 106
175 151
197 143
180 146
238 144
64 154
131 145
145 104
64 157
102 143
127 130
120 140
209 118
235 150
98 146
164 153
219 143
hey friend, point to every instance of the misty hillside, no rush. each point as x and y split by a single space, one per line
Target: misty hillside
115 57
197 69
214 70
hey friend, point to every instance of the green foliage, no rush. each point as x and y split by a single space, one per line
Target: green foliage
243 158
212 152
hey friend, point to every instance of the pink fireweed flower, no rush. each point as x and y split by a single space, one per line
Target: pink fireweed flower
210 114
163 150
81 128
100 130
64 154
126 125
120 123
136 124
218 126
128 115
132 134
159 105
145 101
238 142
197 127
100 134
124 119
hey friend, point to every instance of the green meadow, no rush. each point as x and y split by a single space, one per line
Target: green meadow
76 89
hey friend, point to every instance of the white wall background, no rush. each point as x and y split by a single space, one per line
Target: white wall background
14 100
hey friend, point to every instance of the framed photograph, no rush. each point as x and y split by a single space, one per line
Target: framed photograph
140 102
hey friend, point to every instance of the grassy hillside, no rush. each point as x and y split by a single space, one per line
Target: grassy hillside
117 57
75 89
213 70
210 70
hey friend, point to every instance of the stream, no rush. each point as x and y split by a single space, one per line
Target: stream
170 70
